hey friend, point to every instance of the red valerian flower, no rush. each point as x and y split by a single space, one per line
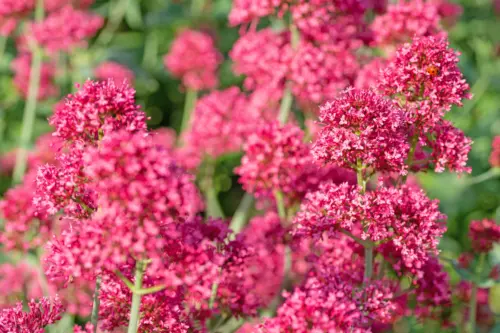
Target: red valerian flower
22 69
483 234
362 129
495 152
274 157
63 30
425 80
114 71
40 315
194 59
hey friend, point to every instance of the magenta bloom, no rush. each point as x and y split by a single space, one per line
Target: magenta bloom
426 81
95 109
220 123
194 59
332 303
11 11
116 72
140 190
252 277
450 148
362 129
52 5
369 74
495 152
40 315
246 11
66 29
274 157
22 67
405 20
336 22
264 58
404 218
319 73
483 234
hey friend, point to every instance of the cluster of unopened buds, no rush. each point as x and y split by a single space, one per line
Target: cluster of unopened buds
130 239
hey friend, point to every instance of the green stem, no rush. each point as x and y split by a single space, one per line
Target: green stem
286 104
116 14
473 297
95 305
150 51
211 195
241 215
190 102
491 173
411 154
213 296
368 263
280 205
133 324
29 114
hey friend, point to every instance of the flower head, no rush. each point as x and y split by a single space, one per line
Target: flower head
483 234
66 29
114 71
41 314
194 59
425 79
22 69
362 129
495 152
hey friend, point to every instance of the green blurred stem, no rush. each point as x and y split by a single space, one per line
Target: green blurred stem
286 104
491 173
287 100
191 97
411 154
213 296
95 305
280 205
211 195
473 297
29 114
197 7
133 324
241 215
367 245
117 12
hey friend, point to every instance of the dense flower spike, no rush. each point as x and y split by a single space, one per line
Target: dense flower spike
405 20
425 80
246 11
450 148
15 280
41 314
404 218
264 58
433 292
495 152
318 74
252 277
63 30
337 22
332 304
483 234
362 130
95 109
220 123
114 71
141 190
22 66
274 157
194 59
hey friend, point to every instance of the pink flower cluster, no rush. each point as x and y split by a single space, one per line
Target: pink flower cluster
274 157
114 71
405 20
194 59
220 123
403 217
495 152
41 314
483 235
62 30
362 129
